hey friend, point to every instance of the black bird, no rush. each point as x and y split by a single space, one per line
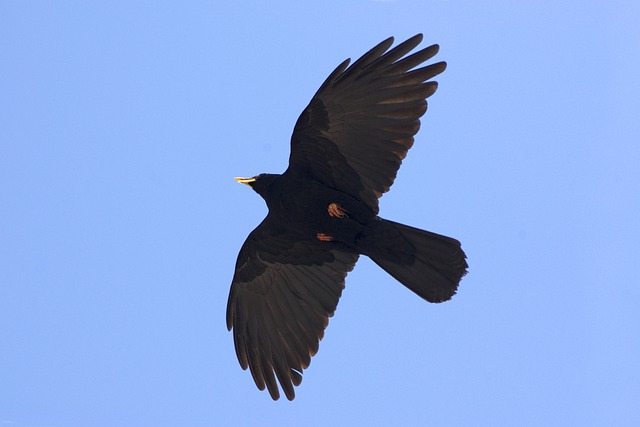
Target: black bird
346 148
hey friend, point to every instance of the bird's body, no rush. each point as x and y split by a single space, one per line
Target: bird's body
301 204
346 149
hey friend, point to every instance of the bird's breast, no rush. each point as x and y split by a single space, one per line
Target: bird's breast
314 211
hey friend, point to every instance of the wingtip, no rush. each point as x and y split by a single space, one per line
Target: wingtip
382 47
438 68
275 395
418 37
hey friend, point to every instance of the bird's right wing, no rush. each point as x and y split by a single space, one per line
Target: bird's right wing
281 298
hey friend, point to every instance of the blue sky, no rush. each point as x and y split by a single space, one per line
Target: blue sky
123 123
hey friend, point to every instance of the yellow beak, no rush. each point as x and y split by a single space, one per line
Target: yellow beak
245 181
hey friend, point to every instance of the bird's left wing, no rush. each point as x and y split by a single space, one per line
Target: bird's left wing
281 298
360 124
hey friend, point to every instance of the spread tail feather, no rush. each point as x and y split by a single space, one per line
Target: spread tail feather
429 264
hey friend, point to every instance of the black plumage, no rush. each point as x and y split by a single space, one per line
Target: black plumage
346 149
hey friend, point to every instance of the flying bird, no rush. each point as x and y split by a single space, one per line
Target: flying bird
346 148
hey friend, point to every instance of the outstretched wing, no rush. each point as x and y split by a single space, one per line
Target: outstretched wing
281 298
360 124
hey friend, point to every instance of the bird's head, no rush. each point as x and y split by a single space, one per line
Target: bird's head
259 183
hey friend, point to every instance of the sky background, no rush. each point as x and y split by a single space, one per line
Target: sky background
123 123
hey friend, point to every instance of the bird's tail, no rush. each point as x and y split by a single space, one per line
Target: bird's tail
429 264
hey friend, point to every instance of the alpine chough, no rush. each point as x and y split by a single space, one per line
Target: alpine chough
346 148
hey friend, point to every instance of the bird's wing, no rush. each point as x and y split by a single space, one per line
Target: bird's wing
281 298
360 124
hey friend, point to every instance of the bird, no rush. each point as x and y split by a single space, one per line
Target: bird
346 148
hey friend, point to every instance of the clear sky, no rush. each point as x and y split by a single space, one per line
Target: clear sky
122 124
